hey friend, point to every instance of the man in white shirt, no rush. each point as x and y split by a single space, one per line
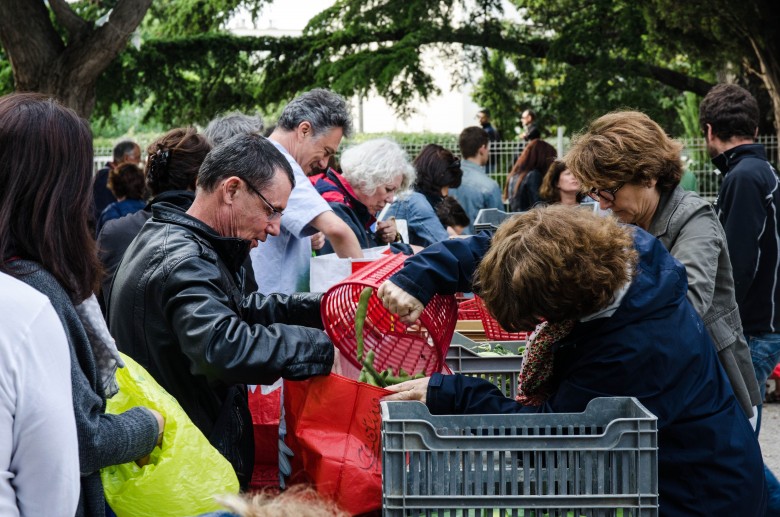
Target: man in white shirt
308 133
39 459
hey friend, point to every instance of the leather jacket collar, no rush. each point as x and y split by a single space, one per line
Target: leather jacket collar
181 198
233 251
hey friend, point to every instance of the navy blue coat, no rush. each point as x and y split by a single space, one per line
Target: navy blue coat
654 348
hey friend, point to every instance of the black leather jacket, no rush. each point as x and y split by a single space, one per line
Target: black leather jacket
177 307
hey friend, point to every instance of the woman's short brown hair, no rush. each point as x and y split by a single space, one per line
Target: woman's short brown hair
625 147
554 263
126 180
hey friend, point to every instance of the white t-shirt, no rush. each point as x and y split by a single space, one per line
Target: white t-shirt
282 262
39 459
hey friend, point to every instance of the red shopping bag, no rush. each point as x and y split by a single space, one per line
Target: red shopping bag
334 430
265 407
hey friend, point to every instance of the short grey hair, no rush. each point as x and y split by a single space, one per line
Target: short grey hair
253 158
377 162
228 125
323 109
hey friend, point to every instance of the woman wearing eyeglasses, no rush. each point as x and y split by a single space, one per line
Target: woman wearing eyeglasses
632 168
438 170
373 173
615 322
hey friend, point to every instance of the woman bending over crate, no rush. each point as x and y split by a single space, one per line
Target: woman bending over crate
612 319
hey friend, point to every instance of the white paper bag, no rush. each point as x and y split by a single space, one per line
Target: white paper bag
328 270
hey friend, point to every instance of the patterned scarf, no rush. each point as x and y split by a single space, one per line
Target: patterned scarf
107 358
534 381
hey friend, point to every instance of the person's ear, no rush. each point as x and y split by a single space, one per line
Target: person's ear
304 129
229 188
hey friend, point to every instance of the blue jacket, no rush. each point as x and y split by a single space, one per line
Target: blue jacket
477 191
748 207
337 191
654 348
118 209
421 220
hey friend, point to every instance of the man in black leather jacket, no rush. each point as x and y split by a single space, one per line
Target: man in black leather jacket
178 306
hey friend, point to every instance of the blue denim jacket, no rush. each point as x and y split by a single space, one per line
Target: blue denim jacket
477 190
424 227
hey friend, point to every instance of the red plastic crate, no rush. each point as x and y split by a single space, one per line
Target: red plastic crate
469 309
419 348
494 331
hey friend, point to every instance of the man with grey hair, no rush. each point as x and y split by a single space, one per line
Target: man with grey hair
308 133
178 305
231 124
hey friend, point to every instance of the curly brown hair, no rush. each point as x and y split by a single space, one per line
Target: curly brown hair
625 147
554 263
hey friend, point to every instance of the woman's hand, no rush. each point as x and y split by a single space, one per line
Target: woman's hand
160 428
387 230
317 241
415 389
398 301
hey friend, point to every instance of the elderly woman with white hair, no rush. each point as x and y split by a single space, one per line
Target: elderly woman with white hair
373 173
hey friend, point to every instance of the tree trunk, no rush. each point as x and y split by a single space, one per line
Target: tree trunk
42 62
770 74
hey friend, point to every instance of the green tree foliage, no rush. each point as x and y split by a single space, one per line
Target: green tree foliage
570 60
740 39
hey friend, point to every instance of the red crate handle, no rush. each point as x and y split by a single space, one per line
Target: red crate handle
421 348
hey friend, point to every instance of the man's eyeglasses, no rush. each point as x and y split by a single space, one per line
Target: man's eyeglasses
607 194
275 214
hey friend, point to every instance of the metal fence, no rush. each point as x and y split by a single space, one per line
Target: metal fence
504 154
695 158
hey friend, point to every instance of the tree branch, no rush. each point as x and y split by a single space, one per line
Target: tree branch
88 57
67 17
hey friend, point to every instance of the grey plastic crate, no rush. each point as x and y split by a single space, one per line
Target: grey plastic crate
490 219
602 462
501 371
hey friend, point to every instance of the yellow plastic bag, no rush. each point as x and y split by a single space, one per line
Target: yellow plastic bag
184 474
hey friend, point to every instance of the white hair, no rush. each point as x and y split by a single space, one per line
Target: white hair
377 162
